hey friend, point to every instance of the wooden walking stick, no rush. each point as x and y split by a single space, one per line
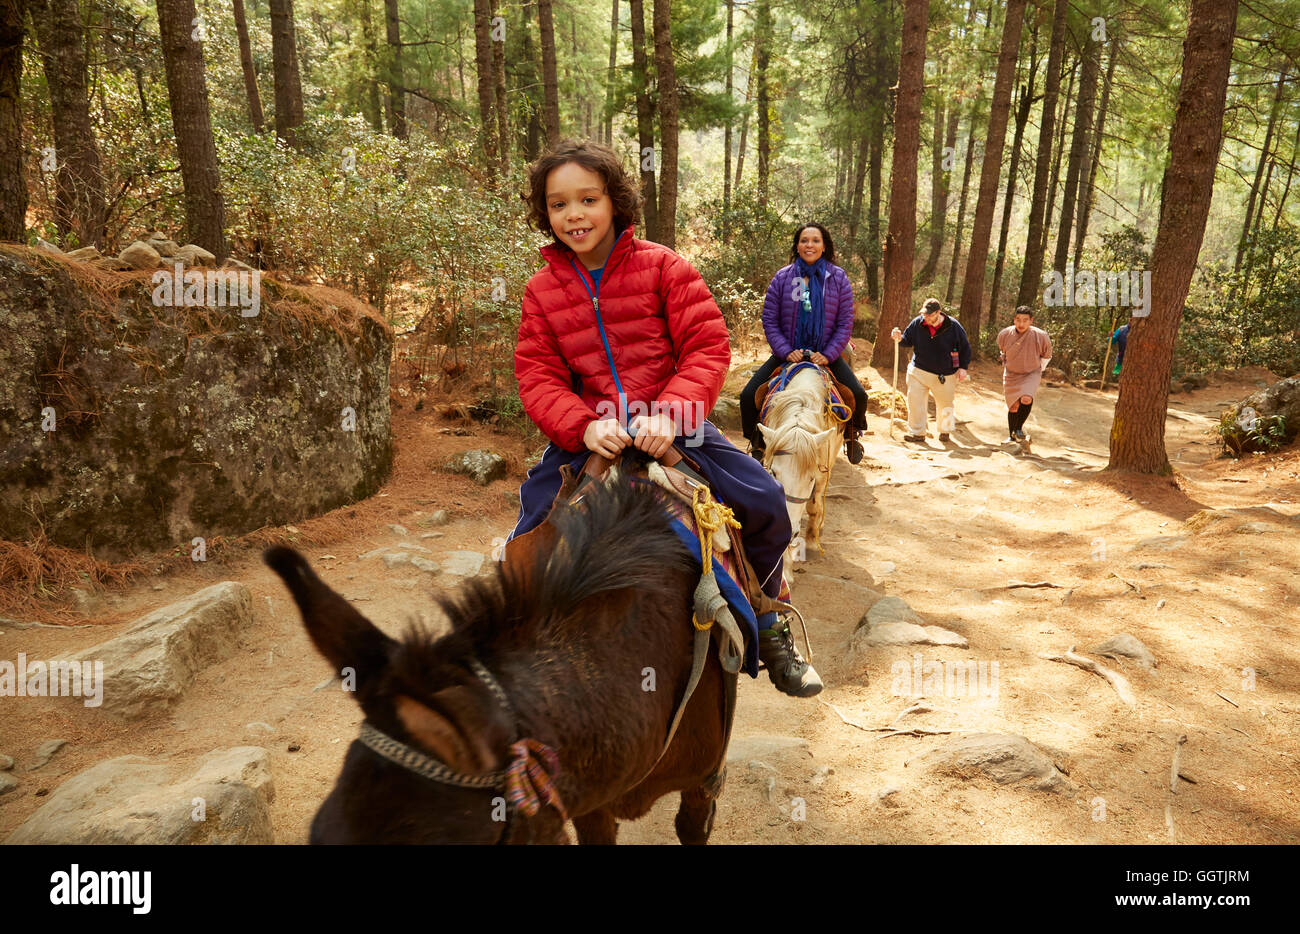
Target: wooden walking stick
1105 365
893 395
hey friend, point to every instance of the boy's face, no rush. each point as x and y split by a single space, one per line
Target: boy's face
580 212
1022 322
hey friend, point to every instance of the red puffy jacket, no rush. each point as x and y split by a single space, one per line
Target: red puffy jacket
667 337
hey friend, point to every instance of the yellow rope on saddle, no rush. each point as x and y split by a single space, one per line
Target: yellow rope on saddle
833 411
710 516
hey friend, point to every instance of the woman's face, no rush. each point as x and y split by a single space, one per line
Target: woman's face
811 246
580 212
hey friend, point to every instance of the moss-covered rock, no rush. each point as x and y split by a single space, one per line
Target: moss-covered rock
132 426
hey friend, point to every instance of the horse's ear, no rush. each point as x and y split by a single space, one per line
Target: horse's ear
823 436
768 434
457 733
345 637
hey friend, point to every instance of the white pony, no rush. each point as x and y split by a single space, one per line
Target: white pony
802 440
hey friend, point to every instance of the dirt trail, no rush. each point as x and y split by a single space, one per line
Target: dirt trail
946 528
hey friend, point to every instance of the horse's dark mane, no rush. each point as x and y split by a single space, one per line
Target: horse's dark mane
618 539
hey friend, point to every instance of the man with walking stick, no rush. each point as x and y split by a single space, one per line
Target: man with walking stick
940 351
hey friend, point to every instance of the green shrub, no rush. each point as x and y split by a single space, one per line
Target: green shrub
1266 433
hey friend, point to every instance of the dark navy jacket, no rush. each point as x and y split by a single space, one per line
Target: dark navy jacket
934 354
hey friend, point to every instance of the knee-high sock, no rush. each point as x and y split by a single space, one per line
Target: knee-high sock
1023 414
1011 421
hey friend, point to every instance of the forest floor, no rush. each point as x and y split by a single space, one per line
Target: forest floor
945 527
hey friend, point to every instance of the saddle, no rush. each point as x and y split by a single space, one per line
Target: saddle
678 475
837 393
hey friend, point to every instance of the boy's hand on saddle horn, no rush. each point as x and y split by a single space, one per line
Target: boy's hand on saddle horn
654 434
794 356
606 437
820 359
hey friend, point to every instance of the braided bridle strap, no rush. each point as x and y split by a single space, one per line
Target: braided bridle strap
528 780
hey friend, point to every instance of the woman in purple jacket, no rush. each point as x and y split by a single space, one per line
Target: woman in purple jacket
808 314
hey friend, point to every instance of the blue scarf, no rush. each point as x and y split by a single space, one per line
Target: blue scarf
812 310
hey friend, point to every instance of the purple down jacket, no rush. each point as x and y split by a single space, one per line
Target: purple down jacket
780 312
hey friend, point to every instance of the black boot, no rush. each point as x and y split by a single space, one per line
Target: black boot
853 451
785 666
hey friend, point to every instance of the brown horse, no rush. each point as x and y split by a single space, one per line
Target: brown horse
581 643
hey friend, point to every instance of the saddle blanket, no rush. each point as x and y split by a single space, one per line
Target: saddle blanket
723 567
782 379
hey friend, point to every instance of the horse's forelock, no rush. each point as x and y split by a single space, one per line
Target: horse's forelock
797 413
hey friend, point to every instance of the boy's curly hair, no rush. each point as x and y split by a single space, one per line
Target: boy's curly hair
620 185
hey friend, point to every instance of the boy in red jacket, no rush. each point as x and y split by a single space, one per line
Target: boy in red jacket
621 343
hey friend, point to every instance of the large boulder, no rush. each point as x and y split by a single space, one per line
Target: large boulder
225 799
193 255
150 665
1280 399
1004 758
726 414
140 255
481 466
890 622
132 424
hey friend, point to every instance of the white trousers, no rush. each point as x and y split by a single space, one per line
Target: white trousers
923 383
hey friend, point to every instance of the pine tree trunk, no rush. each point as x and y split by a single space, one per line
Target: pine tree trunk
1033 269
1290 172
1137 436
284 70
608 133
874 159
1078 148
726 130
972 293
1056 163
13 179
744 124
900 243
187 92
1259 170
500 102
961 208
79 206
644 121
485 81
666 70
938 192
396 73
762 57
856 180
246 65
550 81
1022 117
1088 193
533 133
374 110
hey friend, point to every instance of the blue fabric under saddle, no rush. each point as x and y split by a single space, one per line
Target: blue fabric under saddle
736 598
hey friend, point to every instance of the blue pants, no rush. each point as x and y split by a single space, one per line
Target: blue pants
735 478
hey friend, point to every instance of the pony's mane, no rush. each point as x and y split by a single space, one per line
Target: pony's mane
618 539
798 412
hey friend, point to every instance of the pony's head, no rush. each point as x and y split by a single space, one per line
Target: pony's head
801 440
